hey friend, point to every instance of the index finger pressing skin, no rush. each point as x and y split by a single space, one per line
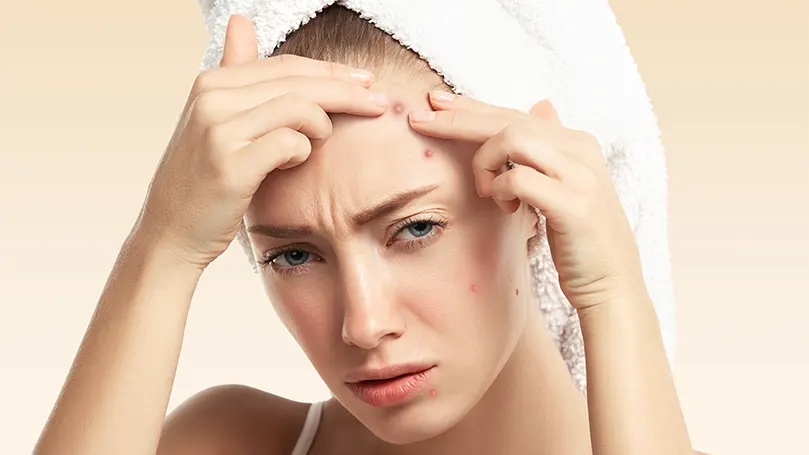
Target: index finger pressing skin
443 100
461 124
277 67
332 95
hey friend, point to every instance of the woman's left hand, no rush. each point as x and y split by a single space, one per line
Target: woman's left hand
562 173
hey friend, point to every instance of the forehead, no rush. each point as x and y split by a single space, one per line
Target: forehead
364 160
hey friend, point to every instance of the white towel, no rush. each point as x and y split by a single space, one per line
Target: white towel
572 52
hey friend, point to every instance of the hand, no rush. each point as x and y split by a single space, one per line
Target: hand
242 121
562 173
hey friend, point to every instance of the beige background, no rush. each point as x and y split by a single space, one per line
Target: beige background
91 91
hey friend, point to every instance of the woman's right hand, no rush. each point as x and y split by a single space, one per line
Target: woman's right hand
242 120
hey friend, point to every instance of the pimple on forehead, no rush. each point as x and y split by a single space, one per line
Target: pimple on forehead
428 153
398 107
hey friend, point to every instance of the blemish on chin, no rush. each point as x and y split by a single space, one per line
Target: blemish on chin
433 392
428 153
474 288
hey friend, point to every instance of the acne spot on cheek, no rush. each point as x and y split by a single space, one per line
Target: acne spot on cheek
474 288
428 153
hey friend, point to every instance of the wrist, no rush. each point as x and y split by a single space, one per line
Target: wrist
628 297
150 251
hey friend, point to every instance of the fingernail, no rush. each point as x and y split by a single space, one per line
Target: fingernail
422 116
379 98
442 97
362 75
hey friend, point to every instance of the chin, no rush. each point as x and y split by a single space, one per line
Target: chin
422 418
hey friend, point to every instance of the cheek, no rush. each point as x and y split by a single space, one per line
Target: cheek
459 283
306 313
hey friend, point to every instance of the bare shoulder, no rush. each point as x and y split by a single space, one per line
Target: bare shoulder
232 419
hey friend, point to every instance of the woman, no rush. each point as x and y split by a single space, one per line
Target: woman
397 270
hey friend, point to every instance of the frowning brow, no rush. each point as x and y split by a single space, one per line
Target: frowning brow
389 205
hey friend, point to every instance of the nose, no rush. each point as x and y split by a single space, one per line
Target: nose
371 313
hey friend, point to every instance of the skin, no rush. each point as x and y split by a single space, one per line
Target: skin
369 294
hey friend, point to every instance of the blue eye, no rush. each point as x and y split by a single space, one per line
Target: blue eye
419 228
292 258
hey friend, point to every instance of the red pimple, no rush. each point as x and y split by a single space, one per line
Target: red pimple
474 288
428 153
433 392
398 107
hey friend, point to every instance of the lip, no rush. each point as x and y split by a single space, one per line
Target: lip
389 386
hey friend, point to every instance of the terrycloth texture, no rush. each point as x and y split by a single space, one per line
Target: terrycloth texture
514 53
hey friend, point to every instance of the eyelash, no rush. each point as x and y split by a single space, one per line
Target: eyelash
407 246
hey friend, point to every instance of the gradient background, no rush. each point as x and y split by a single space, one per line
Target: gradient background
91 91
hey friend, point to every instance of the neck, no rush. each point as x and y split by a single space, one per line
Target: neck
532 407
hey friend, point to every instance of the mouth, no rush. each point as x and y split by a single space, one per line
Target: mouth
390 386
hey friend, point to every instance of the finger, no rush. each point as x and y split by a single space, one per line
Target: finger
281 148
290 111
442 100
522 145
461 124
523 184
240 45
545 110
277 67
333 96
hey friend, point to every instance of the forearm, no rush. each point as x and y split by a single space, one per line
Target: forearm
115 397
632 400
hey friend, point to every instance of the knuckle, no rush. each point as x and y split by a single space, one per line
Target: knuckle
303 111
206 106
204 82
289 139
215 139
585 138
589 144
512 139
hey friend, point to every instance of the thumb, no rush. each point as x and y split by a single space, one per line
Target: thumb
241 45
544 109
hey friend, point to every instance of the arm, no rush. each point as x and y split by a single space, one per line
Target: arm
116 394
632 400
229 137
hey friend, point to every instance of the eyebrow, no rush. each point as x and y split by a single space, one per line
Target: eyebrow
385 207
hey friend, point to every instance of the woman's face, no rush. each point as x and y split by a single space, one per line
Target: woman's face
381 259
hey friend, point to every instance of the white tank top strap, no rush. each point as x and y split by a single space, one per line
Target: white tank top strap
309 430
